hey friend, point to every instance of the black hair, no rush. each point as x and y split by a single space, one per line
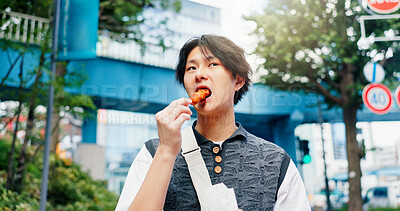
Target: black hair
231 56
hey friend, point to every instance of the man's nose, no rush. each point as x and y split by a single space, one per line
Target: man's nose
201 74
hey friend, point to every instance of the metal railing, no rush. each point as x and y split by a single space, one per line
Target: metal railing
23 28
113 45
30 29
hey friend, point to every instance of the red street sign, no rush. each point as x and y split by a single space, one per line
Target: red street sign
377 98
397 96
384 6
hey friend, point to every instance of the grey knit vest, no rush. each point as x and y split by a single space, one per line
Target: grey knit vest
252 166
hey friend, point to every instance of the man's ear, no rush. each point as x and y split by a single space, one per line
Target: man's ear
239 82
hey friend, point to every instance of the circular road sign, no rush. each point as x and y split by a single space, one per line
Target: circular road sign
374 72
384 6
377 98
397 96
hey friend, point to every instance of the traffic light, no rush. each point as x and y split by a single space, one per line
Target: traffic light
305 151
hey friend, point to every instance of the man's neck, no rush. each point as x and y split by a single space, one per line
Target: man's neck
216 127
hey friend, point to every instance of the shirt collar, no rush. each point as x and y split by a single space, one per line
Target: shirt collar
239 134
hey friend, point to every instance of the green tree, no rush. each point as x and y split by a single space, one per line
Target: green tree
39 8
126 18
313 44
70 188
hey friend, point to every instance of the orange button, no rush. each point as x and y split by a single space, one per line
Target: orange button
216 150
217 169
218 159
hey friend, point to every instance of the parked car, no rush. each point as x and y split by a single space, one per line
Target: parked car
384 196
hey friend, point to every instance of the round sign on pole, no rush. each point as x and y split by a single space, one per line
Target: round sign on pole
374 72
377 98
397 96
384 6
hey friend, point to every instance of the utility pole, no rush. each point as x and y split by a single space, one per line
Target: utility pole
45 171
328 201
299 155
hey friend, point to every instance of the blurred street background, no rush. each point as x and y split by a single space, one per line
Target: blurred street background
326 88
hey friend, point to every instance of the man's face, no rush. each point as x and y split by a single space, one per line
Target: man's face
209 73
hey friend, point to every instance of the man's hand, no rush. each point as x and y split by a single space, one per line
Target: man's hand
169 123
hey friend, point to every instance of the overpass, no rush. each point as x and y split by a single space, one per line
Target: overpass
132 82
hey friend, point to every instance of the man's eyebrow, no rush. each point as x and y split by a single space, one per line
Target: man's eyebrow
211 57
191 61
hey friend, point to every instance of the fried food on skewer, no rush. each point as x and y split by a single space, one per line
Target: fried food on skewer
201 94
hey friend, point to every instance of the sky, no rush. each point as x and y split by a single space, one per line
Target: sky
233 25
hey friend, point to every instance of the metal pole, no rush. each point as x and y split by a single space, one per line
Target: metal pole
328 201
45 171
299 158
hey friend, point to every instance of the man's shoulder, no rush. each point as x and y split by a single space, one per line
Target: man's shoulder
264 143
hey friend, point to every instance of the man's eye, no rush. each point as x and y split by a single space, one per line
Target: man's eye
213 64
191 68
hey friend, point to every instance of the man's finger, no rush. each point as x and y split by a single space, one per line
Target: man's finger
181 101
182 118
178 110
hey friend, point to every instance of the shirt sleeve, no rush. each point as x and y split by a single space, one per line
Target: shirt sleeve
137 173
292 193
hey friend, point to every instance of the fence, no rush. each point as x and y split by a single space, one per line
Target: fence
113 45
23 28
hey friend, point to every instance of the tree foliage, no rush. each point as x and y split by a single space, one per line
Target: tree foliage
315 44
128 20
32 91
308 43
39 8
69 187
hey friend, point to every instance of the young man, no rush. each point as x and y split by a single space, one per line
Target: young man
262 175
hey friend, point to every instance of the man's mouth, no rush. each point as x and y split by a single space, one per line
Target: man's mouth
205 88
201 94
